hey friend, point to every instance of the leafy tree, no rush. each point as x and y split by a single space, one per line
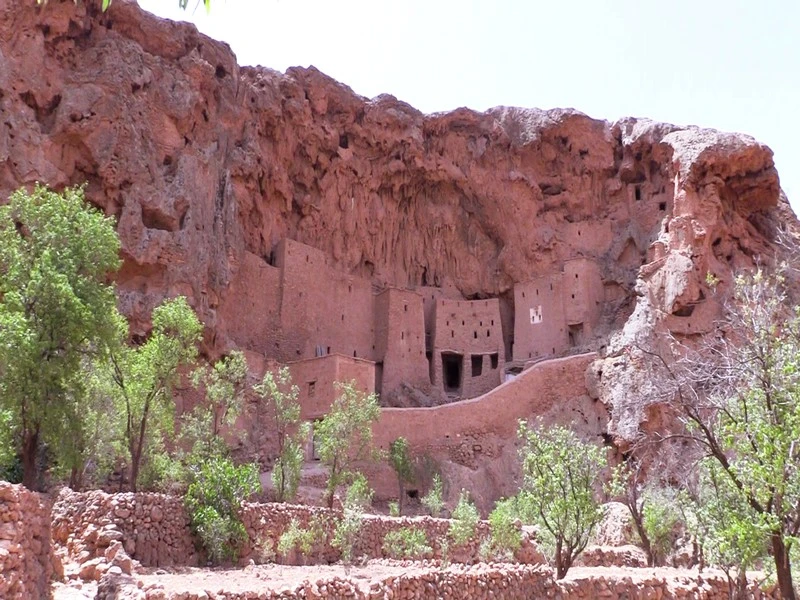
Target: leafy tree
344 435
143 378
213 502
728 533
57 311
224 386
738 395
434 499
400 459
281 396
653 509
7 453
560 472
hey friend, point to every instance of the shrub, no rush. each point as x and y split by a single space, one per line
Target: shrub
406 542
465 520
506 537
434 500
345 535
213 503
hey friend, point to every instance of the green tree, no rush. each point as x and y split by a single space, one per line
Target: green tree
281 396
57 312
213 502
406 543
224 386
653 509
344 435
400 460
504 524
738 394
560 473
143 378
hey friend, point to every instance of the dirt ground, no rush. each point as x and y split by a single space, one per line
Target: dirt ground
282 577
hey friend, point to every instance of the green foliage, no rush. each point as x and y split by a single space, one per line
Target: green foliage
280 394
57 314
7 452
224 384
394 509
434 499
740 400
345 535
560 472
661 520
142 380
406 543
344 435
464 521
213 502
304 539
506 535
400 460
653 508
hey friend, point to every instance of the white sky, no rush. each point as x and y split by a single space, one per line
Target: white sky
728 64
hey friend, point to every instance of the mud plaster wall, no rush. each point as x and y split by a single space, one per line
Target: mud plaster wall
539 322
469 331
315 378
401 341
554 390
583 298
322 307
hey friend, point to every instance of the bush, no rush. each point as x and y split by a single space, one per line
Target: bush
465 520
434 500
506 537
345 535
213 503
406 542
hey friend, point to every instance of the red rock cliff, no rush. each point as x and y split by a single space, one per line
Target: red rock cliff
202 160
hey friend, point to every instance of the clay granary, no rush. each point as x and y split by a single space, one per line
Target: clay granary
423 346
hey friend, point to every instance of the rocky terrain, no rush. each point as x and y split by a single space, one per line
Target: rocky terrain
202 161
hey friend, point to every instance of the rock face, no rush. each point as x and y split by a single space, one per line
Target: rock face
206 164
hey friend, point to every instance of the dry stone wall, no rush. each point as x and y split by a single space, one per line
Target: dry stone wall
26 558
457 582
153 528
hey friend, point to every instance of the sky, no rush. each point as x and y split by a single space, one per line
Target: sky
732 65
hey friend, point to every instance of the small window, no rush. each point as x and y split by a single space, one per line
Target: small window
477 365
637 192
402 335
452 333
475 334
329 349
662 206
312 387
494 360
405 307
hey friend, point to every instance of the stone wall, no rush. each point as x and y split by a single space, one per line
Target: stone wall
265 523
494 581
153 528
26 558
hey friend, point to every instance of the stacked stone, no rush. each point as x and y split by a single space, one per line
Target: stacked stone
26 558
265 523
153 528
613 556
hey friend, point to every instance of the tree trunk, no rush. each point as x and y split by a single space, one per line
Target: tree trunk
782 567
30 448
